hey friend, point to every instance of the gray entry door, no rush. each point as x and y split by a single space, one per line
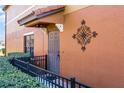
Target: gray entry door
54 52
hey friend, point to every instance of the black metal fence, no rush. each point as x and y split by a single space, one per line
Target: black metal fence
40 61
46 77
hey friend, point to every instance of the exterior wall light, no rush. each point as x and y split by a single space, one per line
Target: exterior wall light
60 27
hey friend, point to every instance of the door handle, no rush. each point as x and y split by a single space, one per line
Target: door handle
58 55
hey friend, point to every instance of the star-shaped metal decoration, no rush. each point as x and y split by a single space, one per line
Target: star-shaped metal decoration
84 35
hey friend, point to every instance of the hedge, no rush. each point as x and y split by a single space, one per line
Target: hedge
12 55
18 54
11 77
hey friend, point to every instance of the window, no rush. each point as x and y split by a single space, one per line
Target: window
29 44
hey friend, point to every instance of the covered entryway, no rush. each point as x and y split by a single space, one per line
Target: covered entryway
47 18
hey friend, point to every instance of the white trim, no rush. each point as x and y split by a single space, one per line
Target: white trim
30 33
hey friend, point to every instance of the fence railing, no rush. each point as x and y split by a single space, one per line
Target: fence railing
46 77
40 61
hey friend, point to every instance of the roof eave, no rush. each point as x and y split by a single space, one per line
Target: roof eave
34 17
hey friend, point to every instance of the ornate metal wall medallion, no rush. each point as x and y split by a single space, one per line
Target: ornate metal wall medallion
84 35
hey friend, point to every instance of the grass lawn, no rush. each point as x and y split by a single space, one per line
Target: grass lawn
11 77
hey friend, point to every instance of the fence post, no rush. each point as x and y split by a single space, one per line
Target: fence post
28 67
72 82
13 60
46 62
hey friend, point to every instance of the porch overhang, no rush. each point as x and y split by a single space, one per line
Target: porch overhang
51 14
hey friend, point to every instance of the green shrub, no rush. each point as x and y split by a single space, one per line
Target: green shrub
11 77
18 54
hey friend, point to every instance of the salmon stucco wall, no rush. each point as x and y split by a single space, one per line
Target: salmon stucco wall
102 63
41 42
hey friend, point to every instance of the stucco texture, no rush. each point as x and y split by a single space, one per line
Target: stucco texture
102 64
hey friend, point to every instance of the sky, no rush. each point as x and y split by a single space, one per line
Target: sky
2 21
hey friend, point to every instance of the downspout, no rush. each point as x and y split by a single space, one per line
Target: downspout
5 33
